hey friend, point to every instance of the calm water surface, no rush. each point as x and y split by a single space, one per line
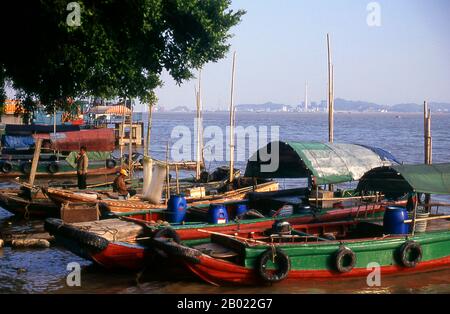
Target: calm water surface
44 270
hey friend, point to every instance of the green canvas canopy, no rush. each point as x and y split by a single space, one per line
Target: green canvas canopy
326 163
431 179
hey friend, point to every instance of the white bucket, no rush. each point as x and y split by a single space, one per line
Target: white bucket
421 226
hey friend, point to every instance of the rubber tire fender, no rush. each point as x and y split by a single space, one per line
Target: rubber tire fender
25 167
405 250
53 167
110 163
339 256
6 167
281 260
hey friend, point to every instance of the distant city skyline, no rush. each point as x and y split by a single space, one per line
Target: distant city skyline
282 45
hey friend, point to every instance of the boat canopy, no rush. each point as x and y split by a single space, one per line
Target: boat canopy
324 162
99 140
432 179
113 110
28 130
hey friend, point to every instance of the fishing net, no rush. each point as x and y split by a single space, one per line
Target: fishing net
156 184
147 173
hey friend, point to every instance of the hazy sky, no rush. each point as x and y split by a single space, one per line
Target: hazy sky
280 44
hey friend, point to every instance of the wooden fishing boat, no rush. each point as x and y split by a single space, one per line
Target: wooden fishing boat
18 202
332 250
100 143
136 204
129 251
123 242
304 253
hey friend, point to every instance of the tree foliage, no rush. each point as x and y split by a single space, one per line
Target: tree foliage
120 48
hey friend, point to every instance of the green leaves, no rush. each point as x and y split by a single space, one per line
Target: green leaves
120 48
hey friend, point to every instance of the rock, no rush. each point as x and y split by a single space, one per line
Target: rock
30 243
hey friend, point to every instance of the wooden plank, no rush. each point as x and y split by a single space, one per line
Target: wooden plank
34 164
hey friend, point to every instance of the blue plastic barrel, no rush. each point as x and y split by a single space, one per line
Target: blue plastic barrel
241 209
394 220
217 214
176 208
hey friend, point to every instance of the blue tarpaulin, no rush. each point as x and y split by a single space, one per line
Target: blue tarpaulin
18 142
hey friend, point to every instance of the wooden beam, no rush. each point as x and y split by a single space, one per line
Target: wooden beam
34 164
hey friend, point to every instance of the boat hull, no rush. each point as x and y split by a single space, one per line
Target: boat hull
123 255
315 261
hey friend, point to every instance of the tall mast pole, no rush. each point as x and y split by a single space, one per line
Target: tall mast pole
199 127
232 119
130 144
330 94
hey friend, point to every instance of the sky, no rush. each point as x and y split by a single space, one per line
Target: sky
281 44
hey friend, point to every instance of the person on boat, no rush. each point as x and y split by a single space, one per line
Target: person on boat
82 167
120 185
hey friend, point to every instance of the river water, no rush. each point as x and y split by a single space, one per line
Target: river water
44 270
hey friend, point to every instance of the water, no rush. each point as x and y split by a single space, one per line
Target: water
39 271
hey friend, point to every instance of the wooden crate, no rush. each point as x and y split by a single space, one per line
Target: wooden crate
197 192
79 212
322 194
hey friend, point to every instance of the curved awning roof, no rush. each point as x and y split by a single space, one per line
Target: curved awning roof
328 163
432 179
114 110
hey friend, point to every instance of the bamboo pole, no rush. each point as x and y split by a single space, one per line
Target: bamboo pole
130 144
122 133
427 142
330 94
149 129
427 219
232 236
167 174
199 126
177 179
34 164
232 119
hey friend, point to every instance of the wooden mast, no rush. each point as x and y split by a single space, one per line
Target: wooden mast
122 133
427 142
34 163
232 120
199 129
130 144
330 94
149 129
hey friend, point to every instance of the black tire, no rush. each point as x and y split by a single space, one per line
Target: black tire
110 163
168 233
53 167
410 254
6 167
344 259
281 260
53 158
25 167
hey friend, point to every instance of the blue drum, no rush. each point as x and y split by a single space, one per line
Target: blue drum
176 208
217 214
394 220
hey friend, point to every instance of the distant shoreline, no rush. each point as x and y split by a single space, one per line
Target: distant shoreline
301 113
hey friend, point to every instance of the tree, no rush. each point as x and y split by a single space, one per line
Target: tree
119 49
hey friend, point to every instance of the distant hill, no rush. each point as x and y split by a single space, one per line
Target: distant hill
268 106
345 105
351 105
180 109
